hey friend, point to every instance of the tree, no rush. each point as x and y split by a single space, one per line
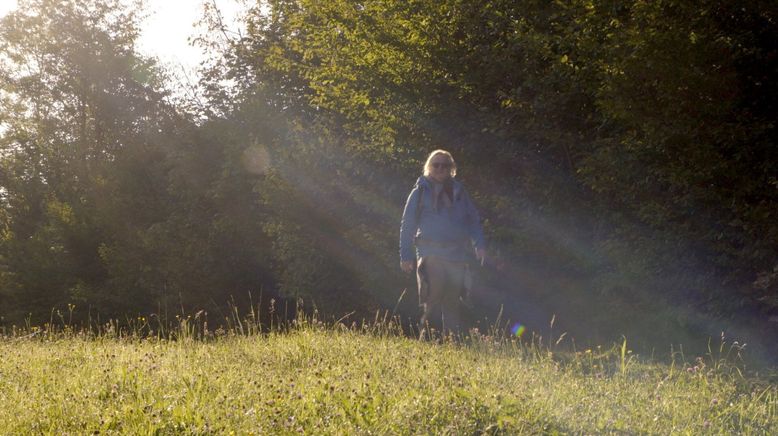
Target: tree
79 104
606 140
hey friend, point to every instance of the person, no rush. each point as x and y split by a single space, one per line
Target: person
442 222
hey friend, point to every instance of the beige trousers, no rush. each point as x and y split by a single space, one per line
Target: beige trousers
441 284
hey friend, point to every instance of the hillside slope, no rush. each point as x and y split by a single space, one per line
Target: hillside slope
340 381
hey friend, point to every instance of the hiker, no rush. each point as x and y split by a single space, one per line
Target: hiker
442 223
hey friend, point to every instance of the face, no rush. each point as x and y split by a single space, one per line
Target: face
440 168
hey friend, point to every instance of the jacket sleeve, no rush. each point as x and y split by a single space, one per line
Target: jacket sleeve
474 224
408 226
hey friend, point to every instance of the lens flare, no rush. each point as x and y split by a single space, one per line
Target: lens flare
518 330
256 159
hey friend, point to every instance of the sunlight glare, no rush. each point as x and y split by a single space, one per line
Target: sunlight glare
256 159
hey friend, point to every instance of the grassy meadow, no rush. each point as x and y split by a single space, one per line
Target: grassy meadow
318 379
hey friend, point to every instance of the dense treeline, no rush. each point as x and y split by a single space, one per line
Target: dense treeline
622 154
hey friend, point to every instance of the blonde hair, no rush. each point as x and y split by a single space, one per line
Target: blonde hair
428 164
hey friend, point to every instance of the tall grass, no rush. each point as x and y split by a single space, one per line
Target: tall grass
145 376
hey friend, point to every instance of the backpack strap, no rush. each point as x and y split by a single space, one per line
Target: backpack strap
418 204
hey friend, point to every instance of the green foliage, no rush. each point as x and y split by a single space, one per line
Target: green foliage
622 155
640 125
690 143
72 106
111 198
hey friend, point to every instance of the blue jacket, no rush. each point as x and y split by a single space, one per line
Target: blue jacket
449 233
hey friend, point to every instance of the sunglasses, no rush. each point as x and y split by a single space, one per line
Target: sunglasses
439 165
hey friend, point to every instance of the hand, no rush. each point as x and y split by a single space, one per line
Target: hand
406 266
480 255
